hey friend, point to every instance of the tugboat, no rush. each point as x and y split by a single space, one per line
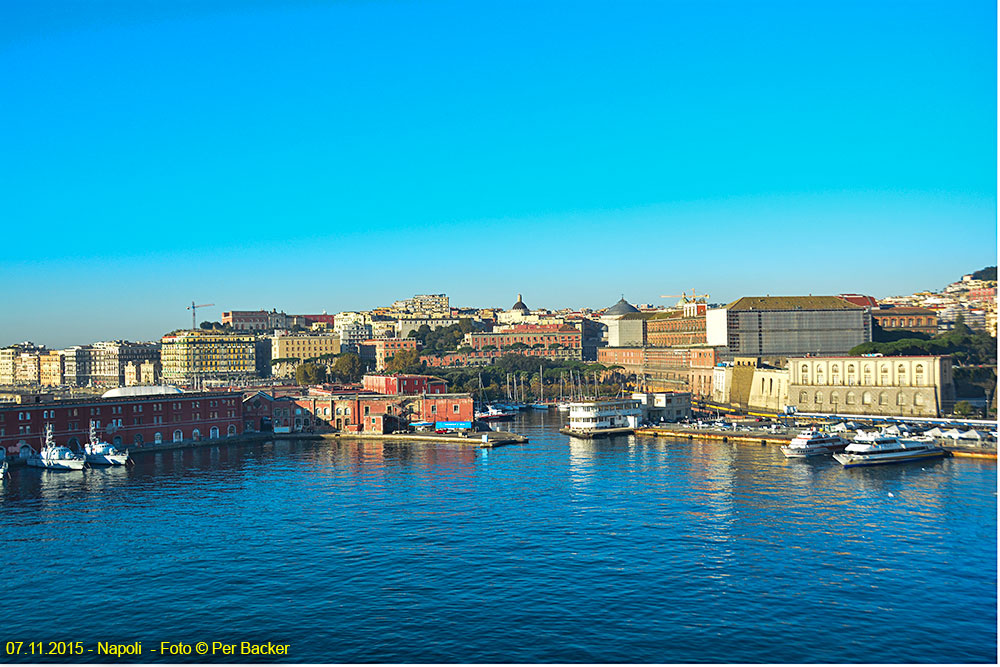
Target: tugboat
869 449
813 442
55 457
100 453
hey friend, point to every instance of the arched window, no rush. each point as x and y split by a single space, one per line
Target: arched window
909 321
919 374
866 398
900 399
231 431
819 397
834 398
883 399
883 374
867 368
117 440
196 434
213 433
178 435
819 375
137 440
804 370
850 398
918 399
901 374
157 438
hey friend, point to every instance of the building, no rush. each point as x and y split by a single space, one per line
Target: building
404 325
256 320
52 369
28 369
901 386
786 326
109 359
376 352
304 346
11 361
189 357
701 366
79 364
561 341
627 330
911 318
406 385
680 327
130 417
424 303
664 406
631 359
150 372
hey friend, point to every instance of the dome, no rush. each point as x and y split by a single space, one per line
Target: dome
623 307
519 306
146 390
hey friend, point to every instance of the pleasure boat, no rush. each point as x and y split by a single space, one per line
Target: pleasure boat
492 413
3 463
55 457
813 442
97 452
869 449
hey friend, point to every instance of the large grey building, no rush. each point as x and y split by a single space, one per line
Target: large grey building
785 326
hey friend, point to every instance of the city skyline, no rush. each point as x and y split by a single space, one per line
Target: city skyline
308 157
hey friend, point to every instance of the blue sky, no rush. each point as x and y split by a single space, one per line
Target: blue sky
330 156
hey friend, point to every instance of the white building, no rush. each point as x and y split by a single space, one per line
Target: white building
595 415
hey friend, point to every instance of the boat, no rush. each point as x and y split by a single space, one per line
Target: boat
539 405
870 449
55 457
3 463
563 407
493 413
97 452
813 442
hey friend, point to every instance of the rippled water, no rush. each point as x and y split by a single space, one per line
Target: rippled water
626 549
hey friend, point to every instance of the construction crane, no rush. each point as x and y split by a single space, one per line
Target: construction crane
683 295
194 309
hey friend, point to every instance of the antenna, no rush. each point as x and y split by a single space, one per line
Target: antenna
194 309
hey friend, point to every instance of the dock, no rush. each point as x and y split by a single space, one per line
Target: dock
590 434
758 438
492 438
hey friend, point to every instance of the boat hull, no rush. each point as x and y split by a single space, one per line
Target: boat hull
60 464
107 459
852 461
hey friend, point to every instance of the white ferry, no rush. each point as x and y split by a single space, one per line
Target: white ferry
598 415
813 442
869 449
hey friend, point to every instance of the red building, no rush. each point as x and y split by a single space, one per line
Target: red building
906 317
127 420
541 337
390 385
860 300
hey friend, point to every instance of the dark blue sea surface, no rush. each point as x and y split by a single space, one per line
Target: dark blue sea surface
628 549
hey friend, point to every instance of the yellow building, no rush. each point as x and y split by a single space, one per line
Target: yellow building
304 346
51 368
28 369
190 356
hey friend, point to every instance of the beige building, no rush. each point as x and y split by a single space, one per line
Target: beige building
28 369
191 356
8 365
52 369
902 386
304 346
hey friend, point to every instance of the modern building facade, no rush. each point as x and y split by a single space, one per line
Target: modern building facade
787 326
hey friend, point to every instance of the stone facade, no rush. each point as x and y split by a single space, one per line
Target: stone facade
901 386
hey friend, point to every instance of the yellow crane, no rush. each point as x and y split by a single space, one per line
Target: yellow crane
683 295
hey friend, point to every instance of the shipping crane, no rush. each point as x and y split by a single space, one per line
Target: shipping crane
194 309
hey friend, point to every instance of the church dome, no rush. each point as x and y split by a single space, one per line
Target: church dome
519 306
623 307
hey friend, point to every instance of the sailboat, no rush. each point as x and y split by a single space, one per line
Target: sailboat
540 404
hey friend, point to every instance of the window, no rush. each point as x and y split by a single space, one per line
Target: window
455 408
178 435
157 438
883 399
866 398
819 397
434 409
803 397
900 399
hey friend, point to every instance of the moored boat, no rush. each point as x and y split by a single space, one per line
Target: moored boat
98 452
870 449
813 442
55 457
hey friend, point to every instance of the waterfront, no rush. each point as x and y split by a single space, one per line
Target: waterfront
623 549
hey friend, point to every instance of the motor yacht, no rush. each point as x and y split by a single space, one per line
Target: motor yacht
870 449
813 442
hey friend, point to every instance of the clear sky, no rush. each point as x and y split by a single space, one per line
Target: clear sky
315 156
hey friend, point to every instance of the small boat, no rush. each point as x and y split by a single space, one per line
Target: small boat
538 406
563 407
97 452
813 442
3 463
870 449
55 457
492 413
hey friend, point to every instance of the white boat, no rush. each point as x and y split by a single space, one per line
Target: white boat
3 463
55 457
493 413
813 442
869 449
563 407
97 452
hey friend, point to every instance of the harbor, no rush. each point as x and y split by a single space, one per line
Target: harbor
439 539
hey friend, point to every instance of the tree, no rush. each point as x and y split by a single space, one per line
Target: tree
310 373
348 367
404 361
963 408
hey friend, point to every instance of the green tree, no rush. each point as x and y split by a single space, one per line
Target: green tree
963 408
348 367
310 373
404 361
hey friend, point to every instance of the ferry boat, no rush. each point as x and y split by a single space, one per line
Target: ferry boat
55 457
813 442
97 452
869 449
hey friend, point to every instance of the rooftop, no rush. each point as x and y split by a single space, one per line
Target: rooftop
792 303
